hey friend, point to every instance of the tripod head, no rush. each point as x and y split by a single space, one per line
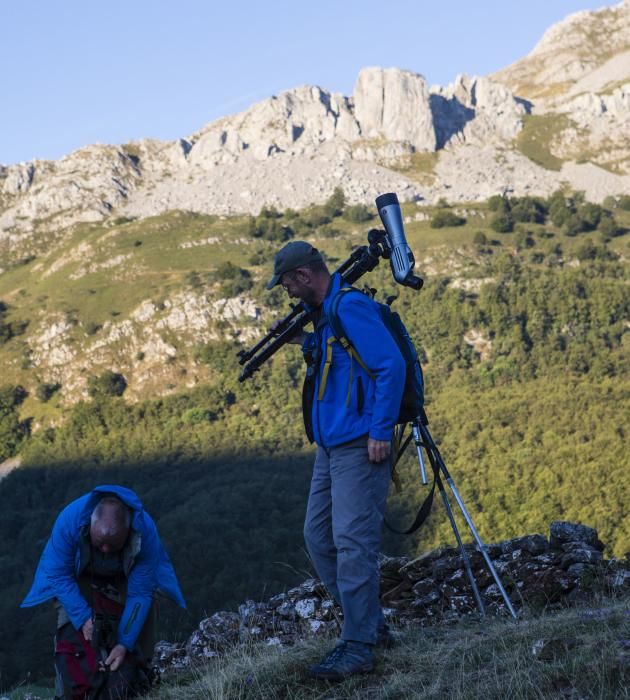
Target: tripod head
390 244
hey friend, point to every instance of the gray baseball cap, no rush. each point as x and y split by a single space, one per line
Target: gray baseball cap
293 255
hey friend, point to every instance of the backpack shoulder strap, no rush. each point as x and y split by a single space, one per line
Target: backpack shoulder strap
333 315
339 331
339 335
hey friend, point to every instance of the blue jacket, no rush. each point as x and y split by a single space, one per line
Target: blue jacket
149 568
373 404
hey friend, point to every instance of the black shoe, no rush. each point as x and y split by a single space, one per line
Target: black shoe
346 659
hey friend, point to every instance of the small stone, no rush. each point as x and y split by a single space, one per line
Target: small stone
306 608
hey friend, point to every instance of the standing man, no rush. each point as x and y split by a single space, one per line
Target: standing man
103 565
350 408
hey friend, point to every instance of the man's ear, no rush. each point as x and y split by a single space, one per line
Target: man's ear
303 275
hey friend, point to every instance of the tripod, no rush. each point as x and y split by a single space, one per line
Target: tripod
423 441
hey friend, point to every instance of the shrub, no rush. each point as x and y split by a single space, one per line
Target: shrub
446 218
624 202
522 239
587 251
608 227
269 228
335 204
193 279
198 415
269 213
528 210
91 328
358 214
229 271
258 257
498 203
235 280
502 223
232 288
480 238
107 384
45 392
591 215
317 217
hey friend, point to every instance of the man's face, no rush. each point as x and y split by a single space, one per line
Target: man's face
298 285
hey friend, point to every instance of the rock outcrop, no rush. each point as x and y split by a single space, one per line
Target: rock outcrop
394 105
537 573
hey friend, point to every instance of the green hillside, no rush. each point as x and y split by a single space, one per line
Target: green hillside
522 324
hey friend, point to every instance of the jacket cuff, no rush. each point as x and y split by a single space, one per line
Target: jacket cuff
382 435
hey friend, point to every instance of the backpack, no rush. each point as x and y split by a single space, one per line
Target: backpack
79 664
413 394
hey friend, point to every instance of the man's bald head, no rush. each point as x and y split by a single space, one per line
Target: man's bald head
109 525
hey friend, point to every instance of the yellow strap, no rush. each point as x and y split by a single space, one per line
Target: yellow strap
327 363
352 353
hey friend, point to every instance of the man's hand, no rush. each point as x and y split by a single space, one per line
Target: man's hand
88 628
378 450
116 657
297 339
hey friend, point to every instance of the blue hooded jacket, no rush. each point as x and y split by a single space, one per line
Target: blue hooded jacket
60 565
373 404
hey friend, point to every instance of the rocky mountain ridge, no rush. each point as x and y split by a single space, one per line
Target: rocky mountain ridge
538 573
295 148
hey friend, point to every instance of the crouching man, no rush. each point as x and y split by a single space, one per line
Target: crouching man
102 565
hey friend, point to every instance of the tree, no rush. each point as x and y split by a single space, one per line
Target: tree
528 210
445 217
502 223
45 392
108 383
336 203
358 214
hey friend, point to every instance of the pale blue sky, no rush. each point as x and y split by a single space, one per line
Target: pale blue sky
75 72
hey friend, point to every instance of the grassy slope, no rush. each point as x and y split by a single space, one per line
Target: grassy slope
494 661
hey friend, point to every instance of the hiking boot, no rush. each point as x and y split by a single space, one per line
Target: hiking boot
346 659
385 638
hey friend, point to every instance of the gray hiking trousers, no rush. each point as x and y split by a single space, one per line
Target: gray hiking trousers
342 530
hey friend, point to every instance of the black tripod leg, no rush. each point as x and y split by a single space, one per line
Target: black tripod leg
433 450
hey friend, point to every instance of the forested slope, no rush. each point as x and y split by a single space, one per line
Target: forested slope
523 329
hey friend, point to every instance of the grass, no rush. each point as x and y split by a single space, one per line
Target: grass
537 135
494 661
418 167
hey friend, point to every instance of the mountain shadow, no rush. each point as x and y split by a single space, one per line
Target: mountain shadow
450 117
